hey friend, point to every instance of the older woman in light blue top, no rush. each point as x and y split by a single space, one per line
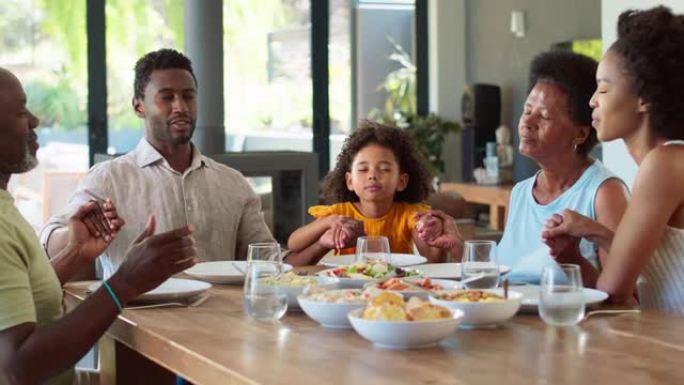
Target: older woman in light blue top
555 130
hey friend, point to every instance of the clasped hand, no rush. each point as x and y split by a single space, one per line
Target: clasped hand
437 229
342 232
561 235
93 227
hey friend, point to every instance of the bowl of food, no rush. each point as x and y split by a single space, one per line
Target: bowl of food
330 307
389 322
293 285
360 273
414 286
481 308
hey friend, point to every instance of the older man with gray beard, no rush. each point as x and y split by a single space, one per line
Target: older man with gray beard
38 344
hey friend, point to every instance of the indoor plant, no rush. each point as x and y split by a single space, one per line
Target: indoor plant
400 110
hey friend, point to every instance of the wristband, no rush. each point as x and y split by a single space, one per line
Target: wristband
113 295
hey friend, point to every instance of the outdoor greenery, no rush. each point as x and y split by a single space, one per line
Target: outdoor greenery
400 110
592 48
45 42
56 103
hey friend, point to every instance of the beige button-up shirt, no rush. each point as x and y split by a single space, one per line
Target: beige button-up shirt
213 197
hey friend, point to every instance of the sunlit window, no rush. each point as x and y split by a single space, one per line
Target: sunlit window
44 44
134 28
267 48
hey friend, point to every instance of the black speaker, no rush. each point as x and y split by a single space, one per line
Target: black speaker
481 115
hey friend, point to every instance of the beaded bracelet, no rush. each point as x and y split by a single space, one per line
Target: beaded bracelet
113 295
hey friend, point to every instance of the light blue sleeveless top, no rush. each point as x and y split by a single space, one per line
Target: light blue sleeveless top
521 247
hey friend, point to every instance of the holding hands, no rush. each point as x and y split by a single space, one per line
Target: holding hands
93 227
429 226
342 232
437 229
562 233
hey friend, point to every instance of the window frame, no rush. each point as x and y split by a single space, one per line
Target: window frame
98 129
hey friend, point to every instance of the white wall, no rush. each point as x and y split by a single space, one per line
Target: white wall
470 42
615 155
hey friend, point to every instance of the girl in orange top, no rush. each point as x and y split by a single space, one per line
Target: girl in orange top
380 181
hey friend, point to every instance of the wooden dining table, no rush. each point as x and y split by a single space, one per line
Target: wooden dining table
217 343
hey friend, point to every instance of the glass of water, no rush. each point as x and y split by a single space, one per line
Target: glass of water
373 247
561 299
480 267
264 299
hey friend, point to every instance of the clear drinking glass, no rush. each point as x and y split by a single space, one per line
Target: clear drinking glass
480 265
264 299
561 298
373 247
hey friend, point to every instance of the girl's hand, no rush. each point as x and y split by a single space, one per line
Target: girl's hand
449 237
342 232
428 226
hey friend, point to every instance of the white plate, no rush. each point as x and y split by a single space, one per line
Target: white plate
222 271
170 290
530 300
396 260
447 270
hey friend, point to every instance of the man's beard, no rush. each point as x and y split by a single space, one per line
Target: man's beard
28 163
176 139
181 139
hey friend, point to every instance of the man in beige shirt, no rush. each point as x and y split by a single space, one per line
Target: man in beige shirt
166 175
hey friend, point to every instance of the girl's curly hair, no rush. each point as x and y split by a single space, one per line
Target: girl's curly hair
651 47
410 160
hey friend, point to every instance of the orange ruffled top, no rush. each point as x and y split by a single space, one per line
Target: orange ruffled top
397 225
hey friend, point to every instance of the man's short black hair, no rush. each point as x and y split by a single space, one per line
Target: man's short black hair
575 75
164 58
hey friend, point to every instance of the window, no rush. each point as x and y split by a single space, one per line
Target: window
267 48
268 80
44 44
134 28
340 70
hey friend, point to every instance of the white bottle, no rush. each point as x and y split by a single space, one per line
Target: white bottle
491 163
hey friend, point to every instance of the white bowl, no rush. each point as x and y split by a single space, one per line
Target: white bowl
293 292
408 293
405 334
329 315
482 314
